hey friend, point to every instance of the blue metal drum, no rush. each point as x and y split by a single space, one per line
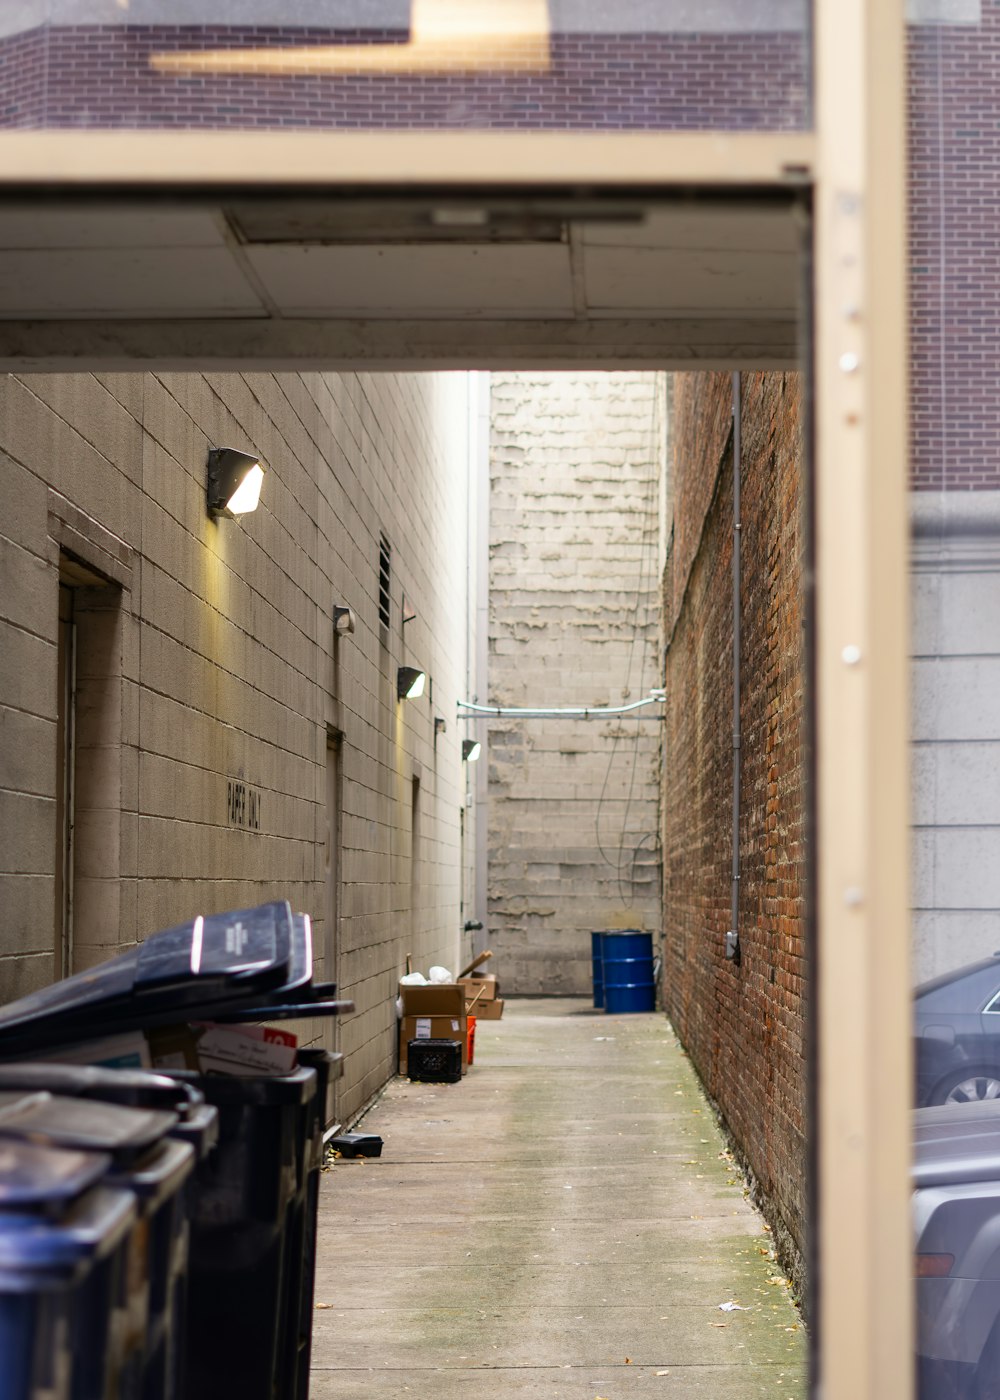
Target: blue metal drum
597 966
629 984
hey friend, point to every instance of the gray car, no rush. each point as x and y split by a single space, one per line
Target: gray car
956 1205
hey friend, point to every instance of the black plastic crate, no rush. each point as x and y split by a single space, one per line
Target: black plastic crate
434 1061
357 1145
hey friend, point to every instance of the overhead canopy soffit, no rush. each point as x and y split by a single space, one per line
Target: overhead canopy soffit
494 280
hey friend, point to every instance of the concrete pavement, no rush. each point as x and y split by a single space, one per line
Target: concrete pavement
563 1223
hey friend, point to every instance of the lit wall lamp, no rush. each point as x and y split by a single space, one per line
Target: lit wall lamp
234 481
343 618
410 683
471 750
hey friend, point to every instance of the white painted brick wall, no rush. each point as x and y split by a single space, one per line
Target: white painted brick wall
576 468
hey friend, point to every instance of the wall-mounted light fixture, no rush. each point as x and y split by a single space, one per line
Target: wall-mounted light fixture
439 726
471 749
410 683
234 481
343 618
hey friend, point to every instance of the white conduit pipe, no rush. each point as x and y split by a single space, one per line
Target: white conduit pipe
656 697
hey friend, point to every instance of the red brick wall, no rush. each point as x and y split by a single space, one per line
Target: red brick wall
99 76
743 1026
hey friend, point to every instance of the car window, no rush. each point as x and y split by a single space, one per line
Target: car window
966 992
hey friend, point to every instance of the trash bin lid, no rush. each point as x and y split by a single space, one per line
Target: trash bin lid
134 1088
301 956
274 1089
33 1177
33 1248
192 971
283 1011
85 1124
159 1174
298 983
245 944
98 986
200 1128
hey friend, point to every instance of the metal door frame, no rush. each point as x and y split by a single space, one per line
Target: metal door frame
854 162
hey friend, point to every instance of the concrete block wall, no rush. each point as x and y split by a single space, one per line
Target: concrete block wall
576 469
743 1025
209 678
955 729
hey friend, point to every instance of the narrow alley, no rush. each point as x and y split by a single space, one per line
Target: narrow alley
564 1221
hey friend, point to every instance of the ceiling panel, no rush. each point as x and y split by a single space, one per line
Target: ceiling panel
123 282
652 282
110 227
738 228
519 280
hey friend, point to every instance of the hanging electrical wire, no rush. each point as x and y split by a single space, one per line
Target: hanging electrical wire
638 651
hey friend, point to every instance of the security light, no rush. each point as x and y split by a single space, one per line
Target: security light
234 481
343 618
410 683
470 750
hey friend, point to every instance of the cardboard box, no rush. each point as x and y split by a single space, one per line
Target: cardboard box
433 1028
486 988
246 1050
173 1047
434 999
482 998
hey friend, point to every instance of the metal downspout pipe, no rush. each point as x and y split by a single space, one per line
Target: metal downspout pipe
733 933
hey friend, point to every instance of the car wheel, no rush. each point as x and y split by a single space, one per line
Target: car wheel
963 1087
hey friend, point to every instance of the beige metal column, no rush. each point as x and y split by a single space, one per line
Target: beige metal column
865 1309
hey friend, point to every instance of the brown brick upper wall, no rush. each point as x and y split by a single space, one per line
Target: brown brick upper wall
100 76
954 133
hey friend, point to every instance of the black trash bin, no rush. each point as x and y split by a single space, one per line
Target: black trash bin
63 1247
247 1261
328 1066
251 1263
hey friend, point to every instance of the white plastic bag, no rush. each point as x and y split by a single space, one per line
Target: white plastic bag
439 974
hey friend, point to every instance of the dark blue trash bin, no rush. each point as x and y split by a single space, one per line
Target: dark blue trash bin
629 983
153 1169
156 1181
64 1239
